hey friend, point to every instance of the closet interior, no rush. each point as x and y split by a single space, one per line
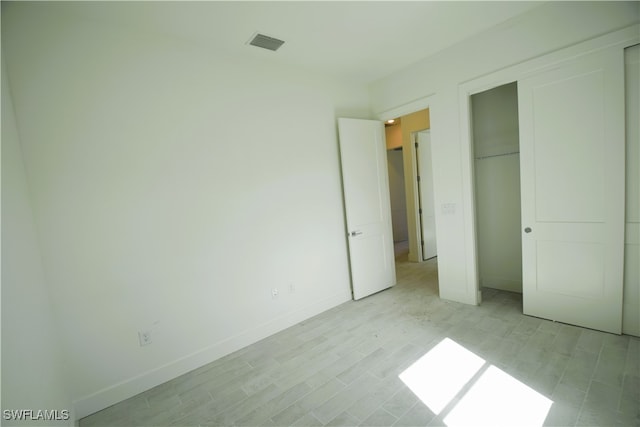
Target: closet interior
496 151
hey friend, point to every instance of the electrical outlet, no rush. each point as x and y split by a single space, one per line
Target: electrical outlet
292 288
144 337
274 293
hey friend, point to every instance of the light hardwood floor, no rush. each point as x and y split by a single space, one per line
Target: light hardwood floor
342 368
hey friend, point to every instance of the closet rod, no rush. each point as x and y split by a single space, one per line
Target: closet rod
498 155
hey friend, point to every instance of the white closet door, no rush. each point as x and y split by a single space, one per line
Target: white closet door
572 185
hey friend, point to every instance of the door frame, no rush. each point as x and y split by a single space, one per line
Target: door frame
426 179
410 173
419 201
620 39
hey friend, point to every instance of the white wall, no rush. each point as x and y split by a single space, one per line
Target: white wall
173 187
631 308
397 193
497 184
33 376
548 28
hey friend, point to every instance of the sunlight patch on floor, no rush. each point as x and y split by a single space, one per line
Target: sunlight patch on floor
440 374
494 398
498 399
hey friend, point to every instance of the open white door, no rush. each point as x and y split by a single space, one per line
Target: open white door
572 189
365 182
427 204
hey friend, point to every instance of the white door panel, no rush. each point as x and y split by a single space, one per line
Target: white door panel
570 175
425 166
572 189
368 211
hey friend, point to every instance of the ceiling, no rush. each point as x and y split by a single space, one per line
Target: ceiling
361 40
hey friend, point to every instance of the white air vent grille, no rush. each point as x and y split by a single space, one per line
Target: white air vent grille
265 42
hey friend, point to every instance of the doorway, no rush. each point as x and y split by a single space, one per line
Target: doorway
397 194
496 154
408 137
400 136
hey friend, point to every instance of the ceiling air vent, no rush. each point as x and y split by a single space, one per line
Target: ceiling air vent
265 42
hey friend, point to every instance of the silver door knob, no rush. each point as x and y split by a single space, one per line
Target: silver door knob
527 230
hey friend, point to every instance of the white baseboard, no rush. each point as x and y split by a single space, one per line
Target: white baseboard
502 283
111 395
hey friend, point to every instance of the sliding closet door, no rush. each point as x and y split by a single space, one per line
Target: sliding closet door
572 188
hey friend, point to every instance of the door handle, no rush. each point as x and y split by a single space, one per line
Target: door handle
356 233
527 230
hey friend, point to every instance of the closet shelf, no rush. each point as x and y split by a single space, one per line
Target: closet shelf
498 155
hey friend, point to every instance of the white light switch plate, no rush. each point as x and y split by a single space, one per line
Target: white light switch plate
448 208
